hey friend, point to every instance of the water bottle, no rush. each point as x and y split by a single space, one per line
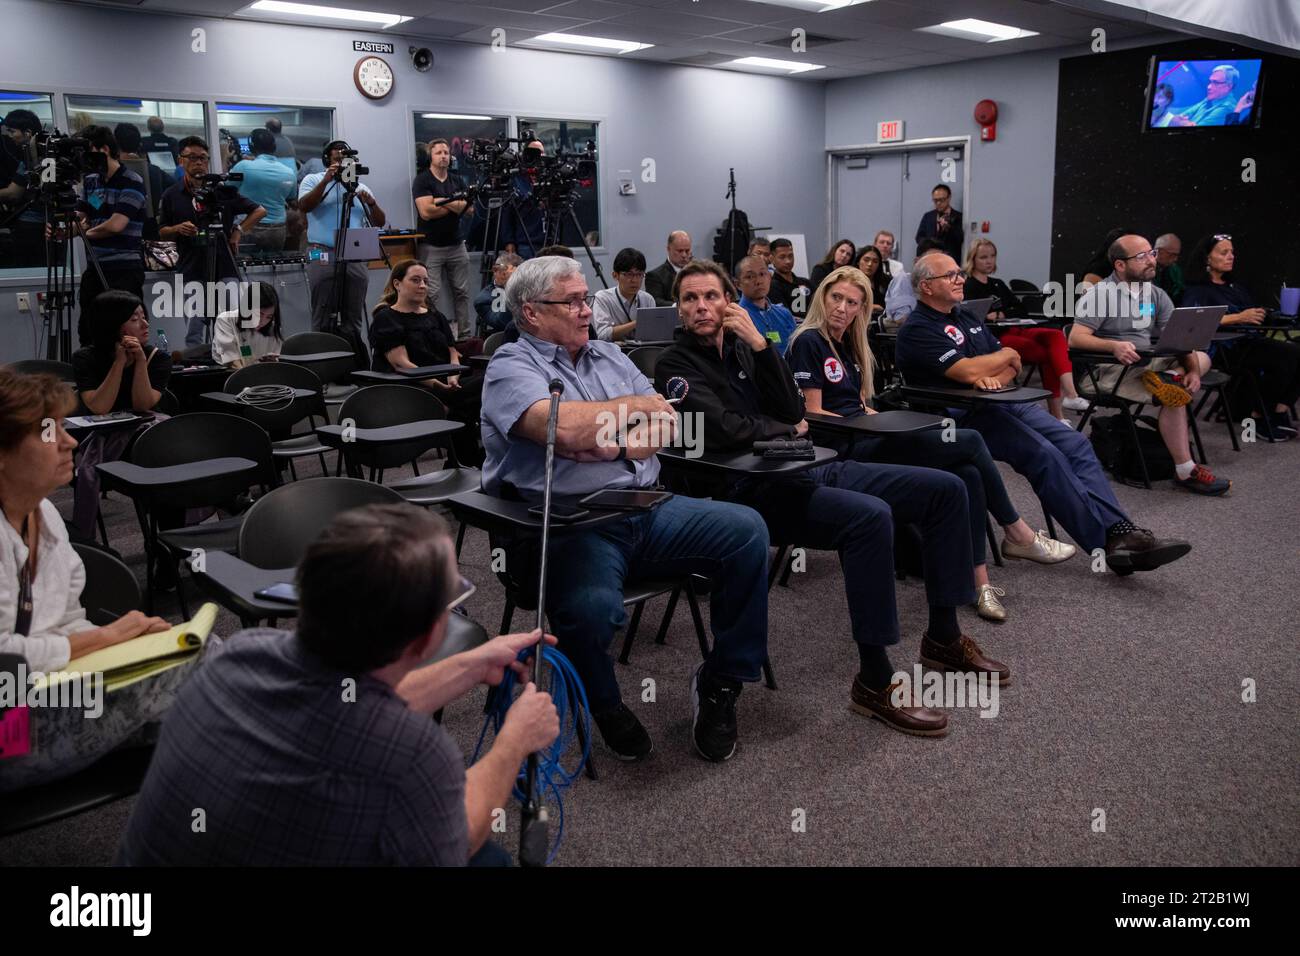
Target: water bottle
162 341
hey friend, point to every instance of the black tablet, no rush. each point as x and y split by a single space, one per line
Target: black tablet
626 499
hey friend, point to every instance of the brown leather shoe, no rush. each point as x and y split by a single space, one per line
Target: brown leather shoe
919 721
963 655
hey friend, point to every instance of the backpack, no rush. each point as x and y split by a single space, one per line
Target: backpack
1113 443
726 250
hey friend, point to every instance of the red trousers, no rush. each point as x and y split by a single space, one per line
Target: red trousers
1044 347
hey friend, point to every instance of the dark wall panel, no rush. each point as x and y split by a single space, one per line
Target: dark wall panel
1110 173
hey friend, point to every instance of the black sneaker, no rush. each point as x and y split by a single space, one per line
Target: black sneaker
624 734
713 724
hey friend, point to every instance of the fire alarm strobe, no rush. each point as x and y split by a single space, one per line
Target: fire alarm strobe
986 114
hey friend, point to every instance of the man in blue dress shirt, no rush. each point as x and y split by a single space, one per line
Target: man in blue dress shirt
604 394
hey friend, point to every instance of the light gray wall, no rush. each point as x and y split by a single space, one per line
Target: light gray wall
687 119
1011 178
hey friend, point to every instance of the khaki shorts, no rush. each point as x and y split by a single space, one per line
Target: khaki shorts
1132 389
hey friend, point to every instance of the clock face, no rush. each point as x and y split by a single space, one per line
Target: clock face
374 77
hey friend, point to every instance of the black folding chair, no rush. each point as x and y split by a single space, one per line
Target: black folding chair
60 370
280 421
111 589
194 438
333 371
378 406
645 357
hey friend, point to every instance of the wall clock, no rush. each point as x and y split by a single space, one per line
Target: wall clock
373 77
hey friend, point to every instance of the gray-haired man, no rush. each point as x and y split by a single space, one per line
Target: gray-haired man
604 392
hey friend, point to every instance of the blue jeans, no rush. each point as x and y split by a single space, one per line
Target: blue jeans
1059 463
726 542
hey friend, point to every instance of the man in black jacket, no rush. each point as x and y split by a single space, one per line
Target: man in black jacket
744 392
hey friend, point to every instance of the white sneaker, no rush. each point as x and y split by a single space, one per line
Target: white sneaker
1076 404
1067 423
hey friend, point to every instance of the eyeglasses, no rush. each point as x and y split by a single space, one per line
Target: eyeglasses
575 305
1222 238
631 275
194 157
1218 82
957 276
464 588
1149 254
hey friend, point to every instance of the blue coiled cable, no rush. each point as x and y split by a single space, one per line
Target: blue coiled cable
570 699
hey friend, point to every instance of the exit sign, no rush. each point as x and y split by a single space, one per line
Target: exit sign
890 131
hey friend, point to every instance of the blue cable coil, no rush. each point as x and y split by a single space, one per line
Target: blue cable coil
570 699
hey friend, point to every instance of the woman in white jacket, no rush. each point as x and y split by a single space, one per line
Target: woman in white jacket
41 577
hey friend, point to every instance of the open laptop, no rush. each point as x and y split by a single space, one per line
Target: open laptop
657 324
361 245
1190 330
979 308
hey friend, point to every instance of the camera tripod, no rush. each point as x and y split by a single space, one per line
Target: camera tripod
60 271
335 319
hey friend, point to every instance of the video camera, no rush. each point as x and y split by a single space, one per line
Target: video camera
57 163
561 174
217 188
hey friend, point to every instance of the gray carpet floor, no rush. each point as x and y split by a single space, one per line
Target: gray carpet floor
1126 697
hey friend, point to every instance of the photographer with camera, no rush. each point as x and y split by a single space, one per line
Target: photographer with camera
26 228
111 216
322 198
187 214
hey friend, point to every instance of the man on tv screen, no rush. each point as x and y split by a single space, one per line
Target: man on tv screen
1218 104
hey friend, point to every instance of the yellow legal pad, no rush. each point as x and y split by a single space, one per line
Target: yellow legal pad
124 664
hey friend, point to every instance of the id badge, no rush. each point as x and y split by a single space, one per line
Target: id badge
246 351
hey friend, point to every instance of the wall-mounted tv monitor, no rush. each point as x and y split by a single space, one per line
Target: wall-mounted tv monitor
1199 94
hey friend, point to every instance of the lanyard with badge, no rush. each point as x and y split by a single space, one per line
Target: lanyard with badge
23 616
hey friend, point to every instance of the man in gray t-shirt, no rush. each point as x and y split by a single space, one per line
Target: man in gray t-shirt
1117 316
317 747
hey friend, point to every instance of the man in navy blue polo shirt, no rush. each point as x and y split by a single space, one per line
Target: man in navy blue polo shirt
942 345
774 321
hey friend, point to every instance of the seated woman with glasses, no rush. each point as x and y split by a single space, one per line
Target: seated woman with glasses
832 364
41 577
613 311
1042 346
408 331
1272 363
251 333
